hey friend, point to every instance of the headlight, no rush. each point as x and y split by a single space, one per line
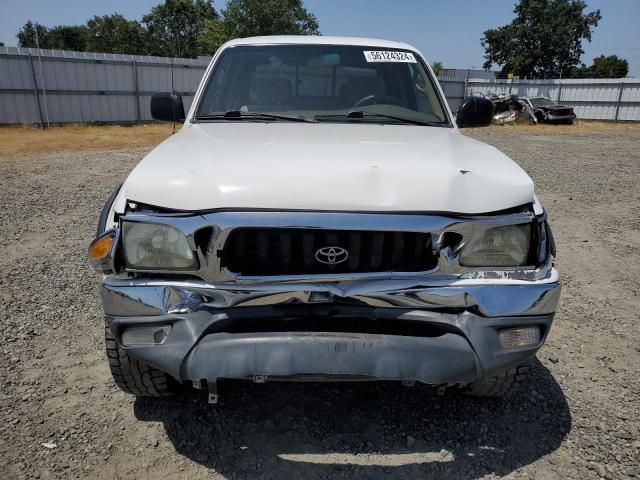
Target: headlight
152 246
498 247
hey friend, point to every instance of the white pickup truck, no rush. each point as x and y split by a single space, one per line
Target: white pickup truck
320 216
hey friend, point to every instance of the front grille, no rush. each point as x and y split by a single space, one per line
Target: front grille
289 251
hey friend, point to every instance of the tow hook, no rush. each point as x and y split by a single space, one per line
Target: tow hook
214 397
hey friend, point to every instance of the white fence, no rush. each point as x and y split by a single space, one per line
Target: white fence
54 86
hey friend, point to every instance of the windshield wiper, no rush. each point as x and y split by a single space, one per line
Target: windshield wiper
240 115
359 114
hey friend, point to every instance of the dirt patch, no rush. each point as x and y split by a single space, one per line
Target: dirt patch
576 419
22 140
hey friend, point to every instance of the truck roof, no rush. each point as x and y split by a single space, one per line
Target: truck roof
318 40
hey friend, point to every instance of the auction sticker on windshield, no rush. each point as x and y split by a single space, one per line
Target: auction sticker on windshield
389 56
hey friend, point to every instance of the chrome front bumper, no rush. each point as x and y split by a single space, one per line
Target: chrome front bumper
490 298
200 346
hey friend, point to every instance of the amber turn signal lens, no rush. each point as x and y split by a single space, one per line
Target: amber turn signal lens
100 248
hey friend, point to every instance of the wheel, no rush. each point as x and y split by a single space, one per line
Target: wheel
135 377
501 384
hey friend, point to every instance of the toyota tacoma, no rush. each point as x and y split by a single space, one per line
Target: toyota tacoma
320 216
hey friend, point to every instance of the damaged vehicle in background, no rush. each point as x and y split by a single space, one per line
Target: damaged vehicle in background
320 216
546 110
506 108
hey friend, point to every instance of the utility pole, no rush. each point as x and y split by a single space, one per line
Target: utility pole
44 91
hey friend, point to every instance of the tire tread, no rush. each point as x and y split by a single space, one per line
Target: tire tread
500 384
132 376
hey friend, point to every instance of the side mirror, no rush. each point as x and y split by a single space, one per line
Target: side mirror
474 112
167 106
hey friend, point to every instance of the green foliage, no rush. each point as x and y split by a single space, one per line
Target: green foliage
176 28
245 18
115 34
173 27
543 40
62 37
437 67
603 66
27 35
610 66
71 37
212 37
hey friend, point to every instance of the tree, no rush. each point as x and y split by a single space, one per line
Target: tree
543 40
609 67
577 71
212 37
436 67
115 34
245 18
174 26
1 44
67 37
63 37
27 35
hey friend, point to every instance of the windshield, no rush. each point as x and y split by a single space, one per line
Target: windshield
542 102
324 83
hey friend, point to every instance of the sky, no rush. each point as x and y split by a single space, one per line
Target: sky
447 31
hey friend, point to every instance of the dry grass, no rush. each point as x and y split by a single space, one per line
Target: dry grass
23 140
578 127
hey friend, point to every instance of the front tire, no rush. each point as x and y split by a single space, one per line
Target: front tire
134 377
500 385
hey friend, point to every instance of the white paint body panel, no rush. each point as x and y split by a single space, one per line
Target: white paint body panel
325 166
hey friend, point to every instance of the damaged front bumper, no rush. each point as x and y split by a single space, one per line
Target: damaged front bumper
551 117
394 329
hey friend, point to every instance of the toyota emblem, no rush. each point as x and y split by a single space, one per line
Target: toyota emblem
331 255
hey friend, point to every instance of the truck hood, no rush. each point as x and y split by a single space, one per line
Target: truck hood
327 166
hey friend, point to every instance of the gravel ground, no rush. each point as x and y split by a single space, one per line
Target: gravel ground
578 417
